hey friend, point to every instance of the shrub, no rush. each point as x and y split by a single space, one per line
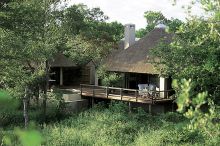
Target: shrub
108 78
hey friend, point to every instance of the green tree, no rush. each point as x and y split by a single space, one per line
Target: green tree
204 123
194 52
33 31
87 34
153 19
26 44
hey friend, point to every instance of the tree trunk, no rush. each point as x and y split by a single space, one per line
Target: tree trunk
38 95
45 91
25 105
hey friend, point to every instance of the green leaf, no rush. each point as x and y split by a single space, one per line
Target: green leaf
29 137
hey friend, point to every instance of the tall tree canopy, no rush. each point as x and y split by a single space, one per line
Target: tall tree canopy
28 37
33 31
154 18
195 52
88 36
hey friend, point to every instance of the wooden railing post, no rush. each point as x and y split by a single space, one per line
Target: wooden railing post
121 93
150 108
93 91
129 107
81 89
136 95
106 92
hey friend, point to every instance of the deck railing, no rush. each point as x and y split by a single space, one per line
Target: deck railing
106 92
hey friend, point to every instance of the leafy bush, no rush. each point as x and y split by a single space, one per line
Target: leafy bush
108 78
201 122
16 117
115 125
111 79
106 126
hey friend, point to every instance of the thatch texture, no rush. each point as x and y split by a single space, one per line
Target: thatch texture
134 58
62 61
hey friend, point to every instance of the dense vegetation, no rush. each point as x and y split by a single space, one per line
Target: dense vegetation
194 53
116 126
32 32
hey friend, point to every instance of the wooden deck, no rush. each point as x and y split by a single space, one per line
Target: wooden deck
129 95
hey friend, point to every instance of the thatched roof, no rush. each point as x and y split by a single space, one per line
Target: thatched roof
60 60
134 58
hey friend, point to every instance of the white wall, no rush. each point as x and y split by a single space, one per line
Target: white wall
163 86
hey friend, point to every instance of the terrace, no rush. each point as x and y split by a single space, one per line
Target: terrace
123 94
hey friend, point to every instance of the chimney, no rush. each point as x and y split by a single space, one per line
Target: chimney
129 35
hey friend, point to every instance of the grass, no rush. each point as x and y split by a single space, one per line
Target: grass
115 126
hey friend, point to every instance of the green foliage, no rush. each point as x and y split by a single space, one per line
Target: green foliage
153 19
11 114
100 126
116 126
90 23
201 121
27 137
109 78
86 35
33 31
193 59
7 103
29 33
22 137
193 54
56 105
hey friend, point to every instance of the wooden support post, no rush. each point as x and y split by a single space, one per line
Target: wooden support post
92 102
106 92
136 95
121 93
93 91
81 89
61 76
129 107
150 108
172 106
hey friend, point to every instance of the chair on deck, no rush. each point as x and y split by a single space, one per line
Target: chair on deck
142 89
153 91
